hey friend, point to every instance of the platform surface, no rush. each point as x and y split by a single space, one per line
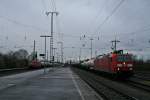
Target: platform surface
56 84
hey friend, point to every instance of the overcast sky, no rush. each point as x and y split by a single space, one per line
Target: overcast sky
22 21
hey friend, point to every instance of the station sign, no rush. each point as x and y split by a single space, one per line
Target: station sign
42 55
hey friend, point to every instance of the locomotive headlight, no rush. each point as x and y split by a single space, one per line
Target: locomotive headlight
130 65
118 69
130 68
119 65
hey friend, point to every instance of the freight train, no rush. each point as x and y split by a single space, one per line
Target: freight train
88 63
114 63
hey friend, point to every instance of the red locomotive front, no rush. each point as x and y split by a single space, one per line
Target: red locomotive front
115 63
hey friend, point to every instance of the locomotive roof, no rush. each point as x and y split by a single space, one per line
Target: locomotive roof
117 52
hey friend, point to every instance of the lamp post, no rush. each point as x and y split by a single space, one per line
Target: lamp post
54 49
45 36
51 40
91 46
62 53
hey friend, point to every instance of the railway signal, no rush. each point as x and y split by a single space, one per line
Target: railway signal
42 55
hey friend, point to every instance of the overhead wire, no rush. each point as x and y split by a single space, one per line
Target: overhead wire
147 28
109 16
53 8
22 24
57 21
54 5
43 4
93 21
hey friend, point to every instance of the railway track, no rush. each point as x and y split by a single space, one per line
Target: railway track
142 75
112 90
140 80
106 92
6 72
138 85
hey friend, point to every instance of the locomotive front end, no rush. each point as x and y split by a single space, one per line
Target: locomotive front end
124 64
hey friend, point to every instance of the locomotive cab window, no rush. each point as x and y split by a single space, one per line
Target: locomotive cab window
123 58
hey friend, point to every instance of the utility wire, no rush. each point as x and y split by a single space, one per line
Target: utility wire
140 30
146 28
58 29
22 24
43 4
54 5
109 16
93 21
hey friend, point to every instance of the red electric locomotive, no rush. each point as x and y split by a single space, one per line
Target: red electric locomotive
115 63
